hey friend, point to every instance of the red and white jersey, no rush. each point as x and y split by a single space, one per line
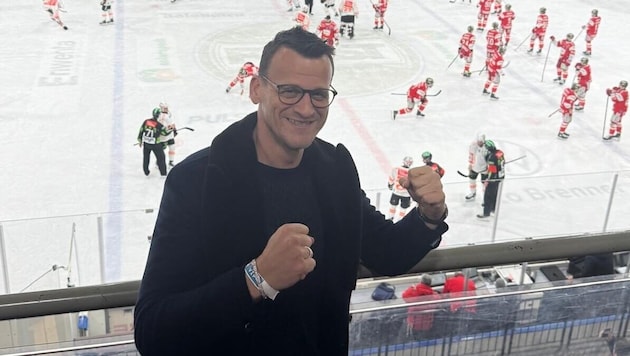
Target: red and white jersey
394 180
485 6
568 98
247 70
348 7
417 91
567 49
619 97
583 73
506 18
51 3
542 21
302 20
381 6
328 30
495 64
466 43
593 25
493 39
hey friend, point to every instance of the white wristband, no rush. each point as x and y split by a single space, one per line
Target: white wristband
266 291
269 291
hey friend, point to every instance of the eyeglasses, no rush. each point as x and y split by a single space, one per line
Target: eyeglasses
291 94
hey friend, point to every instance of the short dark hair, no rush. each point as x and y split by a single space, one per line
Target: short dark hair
305 43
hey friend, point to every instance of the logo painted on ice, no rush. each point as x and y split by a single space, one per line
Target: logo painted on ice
156 64
61 69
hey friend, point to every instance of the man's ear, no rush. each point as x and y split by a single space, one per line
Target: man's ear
254 89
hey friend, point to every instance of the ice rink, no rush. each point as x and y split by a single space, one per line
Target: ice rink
72 103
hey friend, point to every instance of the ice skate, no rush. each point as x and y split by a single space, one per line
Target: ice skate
471 196
492 96
563 135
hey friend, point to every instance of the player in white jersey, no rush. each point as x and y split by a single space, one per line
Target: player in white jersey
107 13
400 195
331 9
166 119
476 164
349 12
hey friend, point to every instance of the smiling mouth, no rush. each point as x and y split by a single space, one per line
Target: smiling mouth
300 123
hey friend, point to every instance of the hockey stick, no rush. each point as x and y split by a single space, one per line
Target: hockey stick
605 117
453 61
553 113
510 161
186 128
545 65
435 94
485 67
578 35
522 42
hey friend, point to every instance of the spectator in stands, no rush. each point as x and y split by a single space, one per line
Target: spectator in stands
462 312
591 265
420 317
243 223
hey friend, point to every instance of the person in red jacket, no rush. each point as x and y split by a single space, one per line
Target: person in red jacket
569 97
495 70
460 284
465 50
427 159
420 317
567 51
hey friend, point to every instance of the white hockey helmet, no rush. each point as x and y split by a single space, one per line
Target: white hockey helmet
407 161
164 106
481 139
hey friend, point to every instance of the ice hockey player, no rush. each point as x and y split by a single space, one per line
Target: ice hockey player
495 66
497 7
247 70
484 11
539 31
416 93
328 31
506 17
379 13
496 173
427 158
569 96
349 12
166 119
302 19
330 7
619 97
583 79
400 195
149 140
591 30
294 4
52 7
567 51
465 50
493 41
107 13
477 165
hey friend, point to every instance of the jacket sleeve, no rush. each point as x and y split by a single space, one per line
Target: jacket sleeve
180 303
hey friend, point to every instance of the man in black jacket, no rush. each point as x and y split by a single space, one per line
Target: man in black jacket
259 236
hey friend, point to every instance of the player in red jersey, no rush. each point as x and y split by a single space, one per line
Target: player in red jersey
619 97
53 7
569 96
497 7
247 70
567 51
417 93
302 19
427 158
539 31
583 79
506 17
328 31
400 195
591 30
484 11
493 41
379 13
495 64
465 50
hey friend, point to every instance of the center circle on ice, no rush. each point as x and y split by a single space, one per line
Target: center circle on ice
371 62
